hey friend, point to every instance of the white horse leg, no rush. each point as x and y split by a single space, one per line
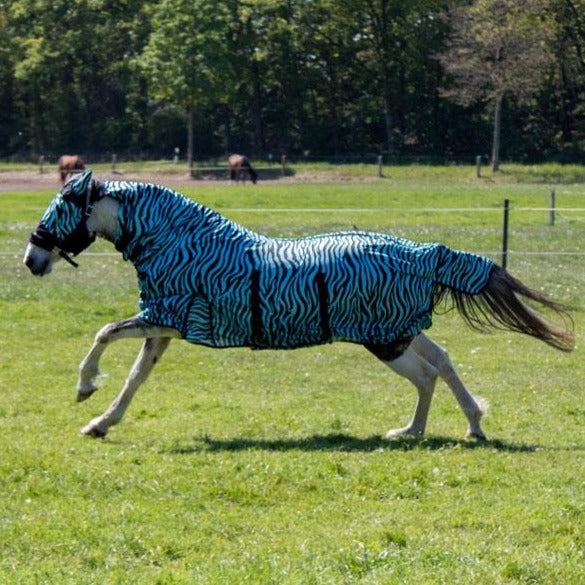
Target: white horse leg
473 408
423 375
151 351
133 327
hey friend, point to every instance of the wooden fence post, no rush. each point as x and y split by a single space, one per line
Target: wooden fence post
283 163
41 164
505 233
380 173
551 211
114 160
478 167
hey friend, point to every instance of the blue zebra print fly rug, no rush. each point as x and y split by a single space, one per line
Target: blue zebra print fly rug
222 285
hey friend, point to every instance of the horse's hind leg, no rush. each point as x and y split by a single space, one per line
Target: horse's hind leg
151 351
133 327
421 373
473 408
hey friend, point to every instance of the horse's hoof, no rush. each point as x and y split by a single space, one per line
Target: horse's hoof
405 432
85 390
93 430
479 436
85 394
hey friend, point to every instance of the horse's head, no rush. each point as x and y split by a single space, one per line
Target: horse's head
63 227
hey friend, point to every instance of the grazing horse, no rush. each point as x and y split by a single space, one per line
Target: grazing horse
239 166
69 164
207 280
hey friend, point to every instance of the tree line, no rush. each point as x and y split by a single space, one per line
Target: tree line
416 78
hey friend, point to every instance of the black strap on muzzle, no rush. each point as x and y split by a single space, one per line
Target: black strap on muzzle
44 239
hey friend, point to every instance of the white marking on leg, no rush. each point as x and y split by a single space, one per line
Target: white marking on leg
473 408
149 355
423 375
128 328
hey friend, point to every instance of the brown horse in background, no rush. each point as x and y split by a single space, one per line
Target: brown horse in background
69 164
239 166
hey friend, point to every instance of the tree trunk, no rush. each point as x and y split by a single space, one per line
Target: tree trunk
37 142
228 129
190 138
388 118
332 94
497 131
257 110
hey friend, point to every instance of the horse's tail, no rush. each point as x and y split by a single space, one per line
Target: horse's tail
497 304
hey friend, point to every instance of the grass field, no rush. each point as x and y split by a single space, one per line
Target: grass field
236 467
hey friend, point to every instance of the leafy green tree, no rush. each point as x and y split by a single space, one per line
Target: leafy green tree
382 61
249 26
325 31
186 60
569 88
498 48
71 71
271 86
333 76
7 130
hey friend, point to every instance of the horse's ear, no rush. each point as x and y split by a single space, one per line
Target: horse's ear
78 184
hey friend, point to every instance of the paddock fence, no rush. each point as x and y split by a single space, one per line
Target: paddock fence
269 166
550 215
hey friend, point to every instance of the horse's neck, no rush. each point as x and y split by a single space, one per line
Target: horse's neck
104 218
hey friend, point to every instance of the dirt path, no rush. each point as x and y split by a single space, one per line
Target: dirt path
33 180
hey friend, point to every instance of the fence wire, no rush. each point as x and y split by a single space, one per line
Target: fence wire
471 210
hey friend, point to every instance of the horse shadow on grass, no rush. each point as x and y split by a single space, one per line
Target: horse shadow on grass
343 443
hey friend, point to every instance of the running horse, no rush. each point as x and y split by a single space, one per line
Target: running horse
239 166
69 164
209 281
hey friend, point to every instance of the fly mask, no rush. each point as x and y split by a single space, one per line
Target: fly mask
64 223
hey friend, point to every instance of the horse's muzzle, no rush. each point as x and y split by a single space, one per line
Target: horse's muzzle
38 261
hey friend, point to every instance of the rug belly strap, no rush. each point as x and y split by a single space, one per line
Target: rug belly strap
258 337
326 335
271 323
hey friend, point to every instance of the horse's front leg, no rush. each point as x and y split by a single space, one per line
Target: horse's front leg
151 351
127 328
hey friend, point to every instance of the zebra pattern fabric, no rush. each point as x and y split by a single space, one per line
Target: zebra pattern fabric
223 285
65 211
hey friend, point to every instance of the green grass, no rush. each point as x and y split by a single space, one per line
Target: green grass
235 466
